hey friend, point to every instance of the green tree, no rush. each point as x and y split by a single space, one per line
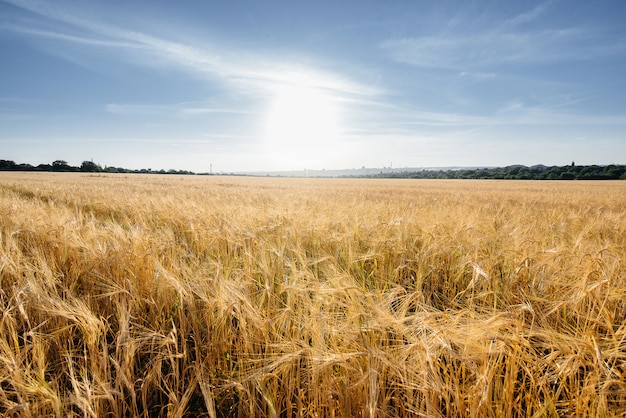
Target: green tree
60 165
90 167
7 165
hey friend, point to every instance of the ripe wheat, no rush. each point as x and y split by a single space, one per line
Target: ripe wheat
224 296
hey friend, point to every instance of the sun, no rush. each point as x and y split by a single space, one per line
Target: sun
302 127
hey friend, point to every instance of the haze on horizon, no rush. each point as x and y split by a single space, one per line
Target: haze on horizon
277 85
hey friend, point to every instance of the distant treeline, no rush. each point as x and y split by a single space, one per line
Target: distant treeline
85 167
512 172
519 172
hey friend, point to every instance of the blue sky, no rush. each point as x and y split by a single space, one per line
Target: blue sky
282 85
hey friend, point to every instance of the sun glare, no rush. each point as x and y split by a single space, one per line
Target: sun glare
302 128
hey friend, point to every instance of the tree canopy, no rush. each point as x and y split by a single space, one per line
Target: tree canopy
519 172
85 167
512 172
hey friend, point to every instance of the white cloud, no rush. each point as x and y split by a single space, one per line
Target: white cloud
467 49
516 112
181 109
49 34
529 16
477 76
135 110
192 111
244 70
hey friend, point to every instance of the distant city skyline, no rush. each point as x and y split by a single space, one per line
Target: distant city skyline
273 86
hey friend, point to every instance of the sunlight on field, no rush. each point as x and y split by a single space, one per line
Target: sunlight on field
223 296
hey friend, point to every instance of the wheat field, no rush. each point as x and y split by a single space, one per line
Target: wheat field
231 296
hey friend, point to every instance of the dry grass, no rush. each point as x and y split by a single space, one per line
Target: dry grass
146 296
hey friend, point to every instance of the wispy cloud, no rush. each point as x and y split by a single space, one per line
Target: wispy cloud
192 111
411 122
486 49
477 76
76 39
529 16
505 42
242 69
136 110
517 112
181 109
